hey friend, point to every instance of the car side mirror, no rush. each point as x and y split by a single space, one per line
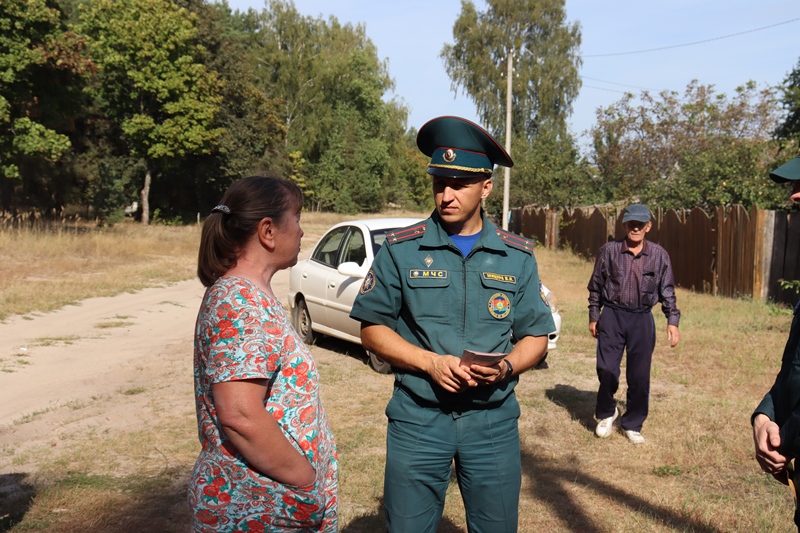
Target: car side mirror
351 269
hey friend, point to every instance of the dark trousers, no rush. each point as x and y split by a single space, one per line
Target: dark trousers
419 458
619 330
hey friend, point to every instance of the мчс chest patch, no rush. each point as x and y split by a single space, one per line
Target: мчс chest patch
421 274
499 305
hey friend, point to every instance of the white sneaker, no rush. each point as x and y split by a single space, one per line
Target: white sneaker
603 428
634 436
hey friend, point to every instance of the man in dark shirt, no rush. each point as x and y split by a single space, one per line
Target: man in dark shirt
776 420
630 276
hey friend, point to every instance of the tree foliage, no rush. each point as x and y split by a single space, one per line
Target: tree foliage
553 174
39 64
790 126
102 100
545 82
546 61
150 82
331 85
700 150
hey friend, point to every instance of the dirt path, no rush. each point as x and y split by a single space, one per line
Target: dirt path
99 365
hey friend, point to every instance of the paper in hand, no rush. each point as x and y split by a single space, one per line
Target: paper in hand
470 357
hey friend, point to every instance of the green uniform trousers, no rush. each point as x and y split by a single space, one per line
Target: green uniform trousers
421 444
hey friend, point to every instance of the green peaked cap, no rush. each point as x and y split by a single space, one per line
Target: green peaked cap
459 148
789 171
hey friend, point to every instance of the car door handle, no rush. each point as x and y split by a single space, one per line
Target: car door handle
332 284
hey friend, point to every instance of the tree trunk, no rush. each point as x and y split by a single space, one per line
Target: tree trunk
146 197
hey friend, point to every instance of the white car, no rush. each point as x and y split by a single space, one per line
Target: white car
323 287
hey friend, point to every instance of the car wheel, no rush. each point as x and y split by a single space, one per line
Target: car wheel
377 364
303 323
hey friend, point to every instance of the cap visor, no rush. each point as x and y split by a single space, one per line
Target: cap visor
789 171
450 173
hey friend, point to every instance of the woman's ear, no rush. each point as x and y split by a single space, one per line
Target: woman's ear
266 233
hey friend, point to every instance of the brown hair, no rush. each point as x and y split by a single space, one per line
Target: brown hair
231 224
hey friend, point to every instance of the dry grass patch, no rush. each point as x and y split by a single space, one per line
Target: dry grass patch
49 269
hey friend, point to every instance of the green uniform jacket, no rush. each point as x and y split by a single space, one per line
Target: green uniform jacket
782 403
423 288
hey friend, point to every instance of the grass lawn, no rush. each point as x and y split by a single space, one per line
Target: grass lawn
696 472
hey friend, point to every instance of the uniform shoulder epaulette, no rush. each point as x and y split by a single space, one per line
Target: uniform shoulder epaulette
515 241
404 234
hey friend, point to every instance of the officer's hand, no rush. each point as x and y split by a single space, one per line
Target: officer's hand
674 336
766 437
593 329
486 375
447 372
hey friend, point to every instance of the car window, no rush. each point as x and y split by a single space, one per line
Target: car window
327 251
378 237
354 249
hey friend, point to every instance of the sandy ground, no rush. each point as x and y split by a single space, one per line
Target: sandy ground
97 366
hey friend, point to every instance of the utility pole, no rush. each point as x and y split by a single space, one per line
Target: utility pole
507 175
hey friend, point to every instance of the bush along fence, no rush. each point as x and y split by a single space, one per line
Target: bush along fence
729 252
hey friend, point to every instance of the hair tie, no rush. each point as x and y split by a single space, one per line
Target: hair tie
221 208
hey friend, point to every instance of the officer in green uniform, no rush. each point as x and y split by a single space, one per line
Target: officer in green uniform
776 420
450 283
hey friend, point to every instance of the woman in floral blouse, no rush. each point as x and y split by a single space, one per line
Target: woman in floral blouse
268 460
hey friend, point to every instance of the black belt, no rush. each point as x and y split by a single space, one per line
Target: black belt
618 307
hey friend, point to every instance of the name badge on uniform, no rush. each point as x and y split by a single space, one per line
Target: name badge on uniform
435 274
503 278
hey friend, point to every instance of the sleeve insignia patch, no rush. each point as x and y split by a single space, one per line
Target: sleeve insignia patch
369 282
543 295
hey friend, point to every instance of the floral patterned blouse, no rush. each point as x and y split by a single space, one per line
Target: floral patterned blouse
242 333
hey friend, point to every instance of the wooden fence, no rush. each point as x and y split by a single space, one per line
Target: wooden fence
730 252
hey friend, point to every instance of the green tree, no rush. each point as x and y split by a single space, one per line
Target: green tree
407 183
38 60
150 82
331 84
790 127
545 82
546 61
702 150
549 173
253 138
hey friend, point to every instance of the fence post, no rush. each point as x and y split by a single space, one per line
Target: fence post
764 233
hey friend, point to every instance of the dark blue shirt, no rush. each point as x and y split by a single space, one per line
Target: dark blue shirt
639 282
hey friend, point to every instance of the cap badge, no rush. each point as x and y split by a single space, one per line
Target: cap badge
428 261
449 155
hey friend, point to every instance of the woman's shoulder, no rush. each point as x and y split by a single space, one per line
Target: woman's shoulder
239 290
